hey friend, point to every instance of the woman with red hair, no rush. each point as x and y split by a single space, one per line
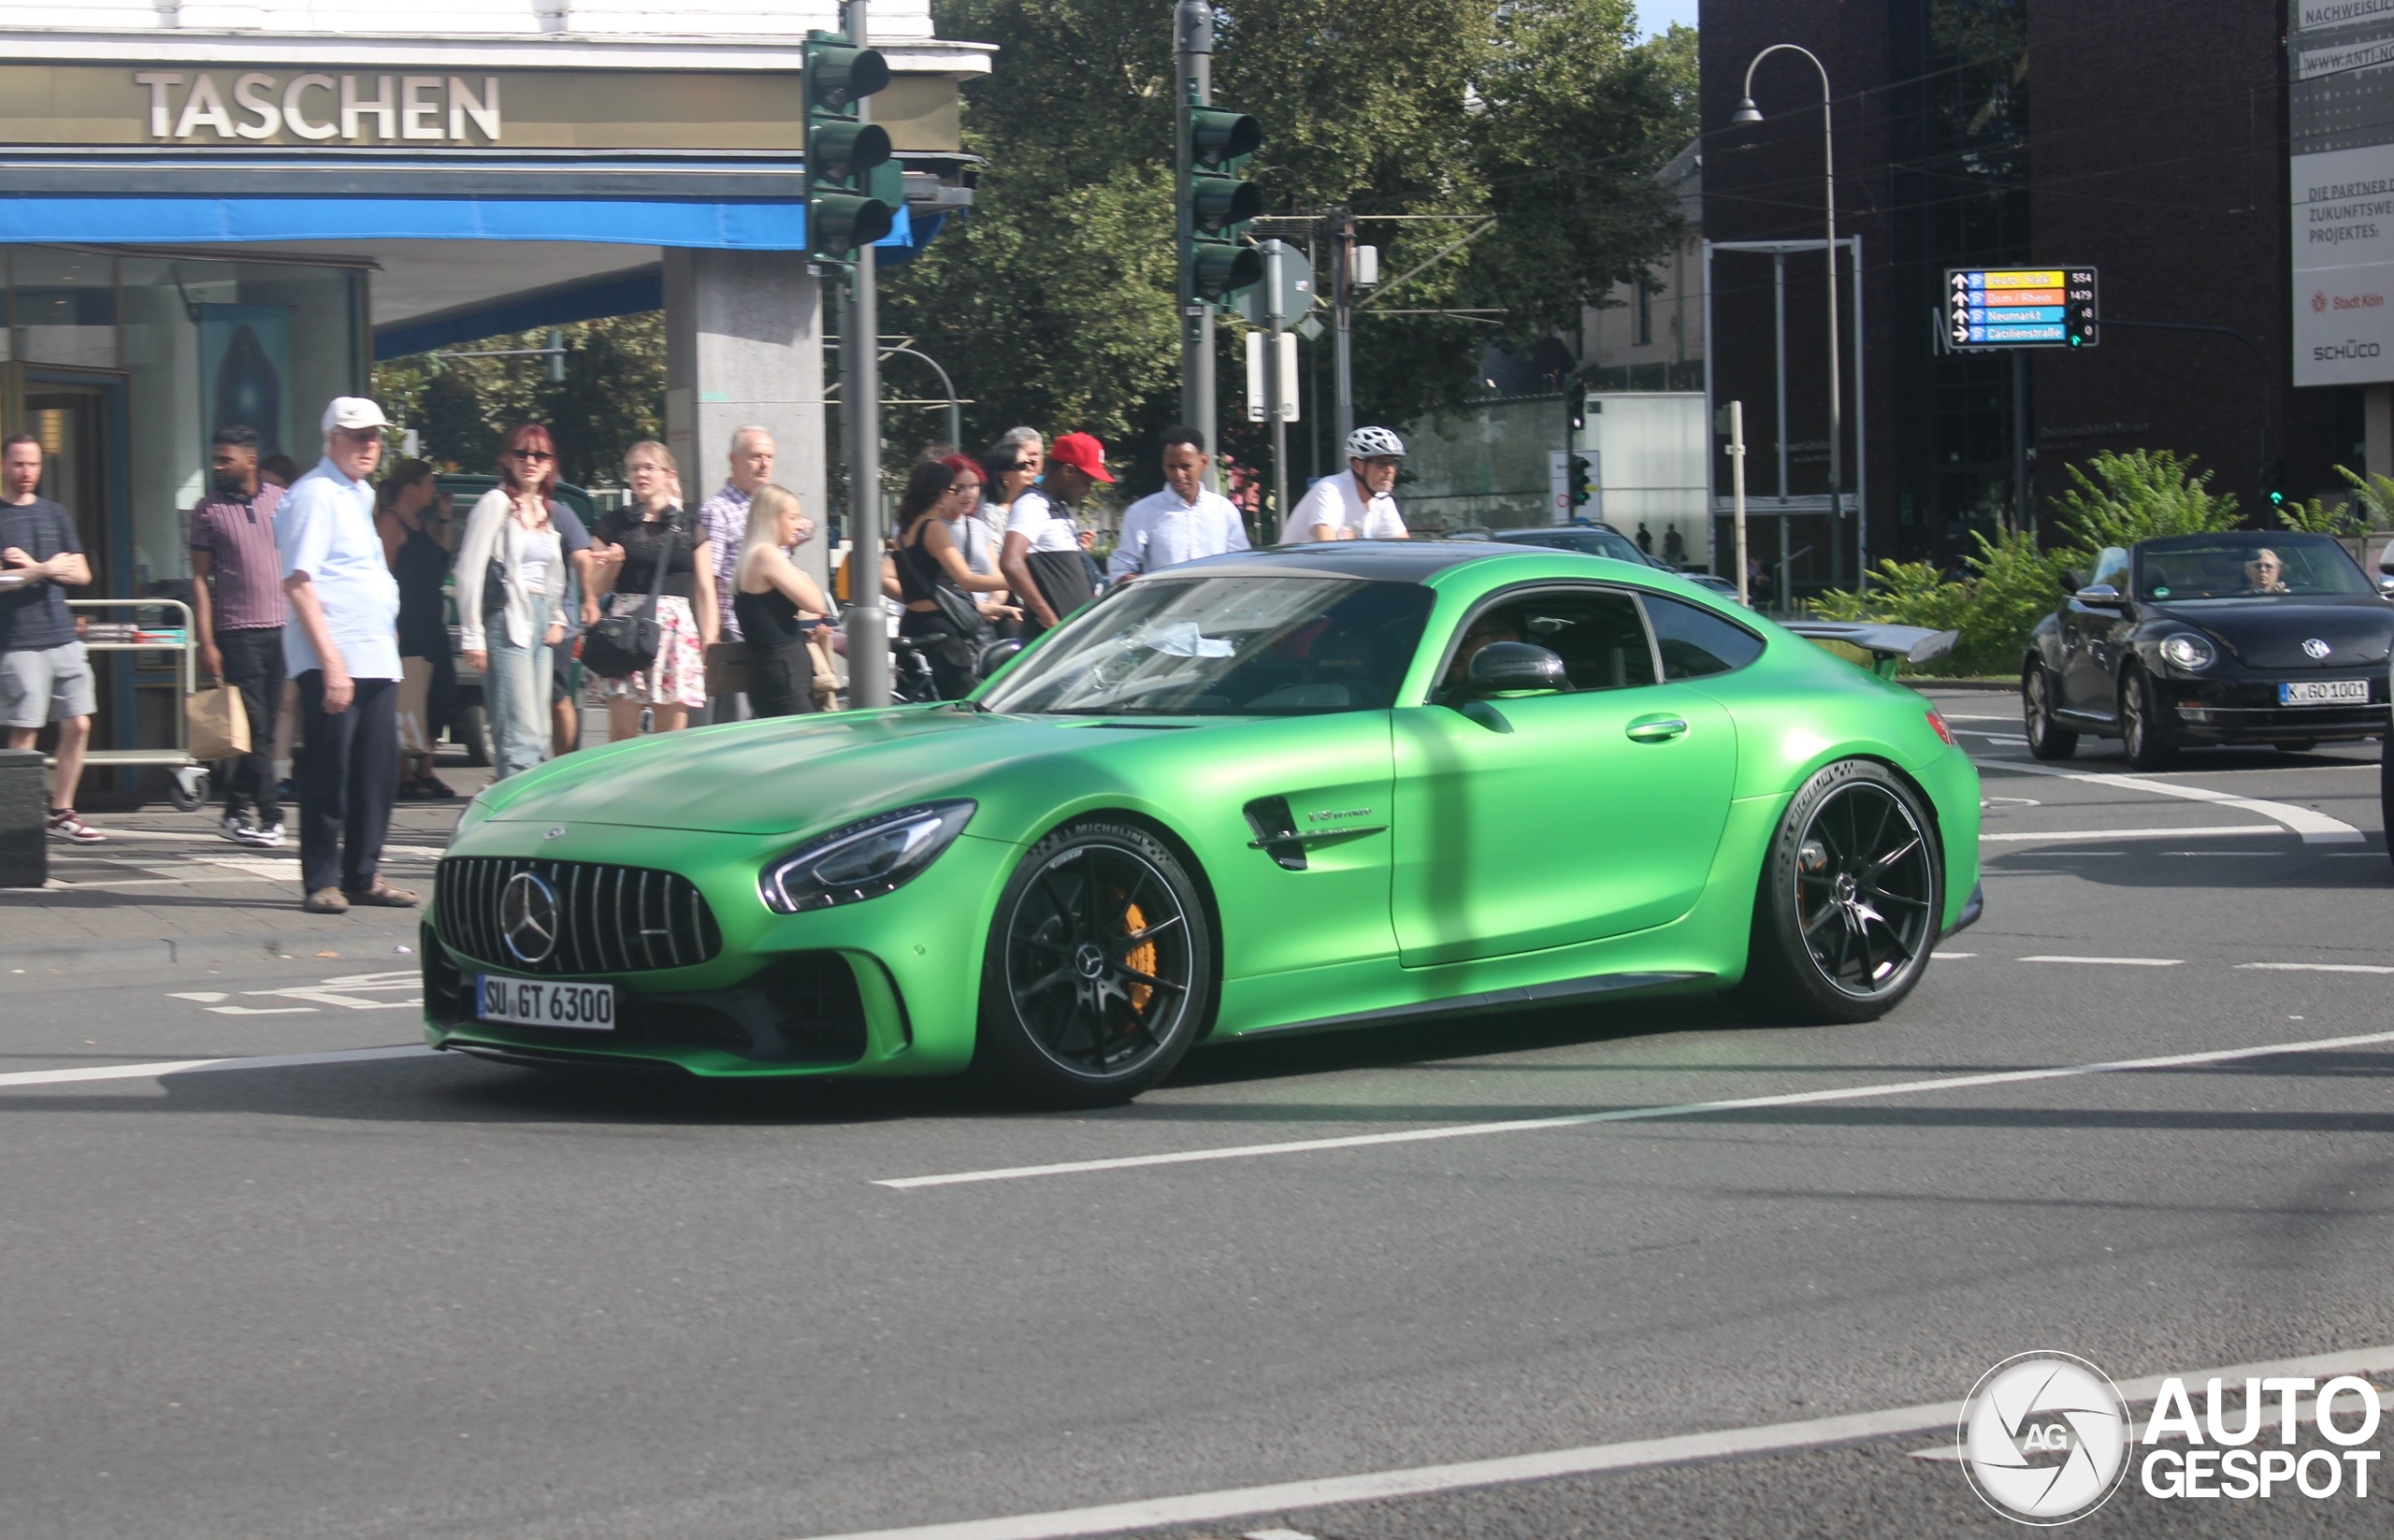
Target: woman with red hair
510 573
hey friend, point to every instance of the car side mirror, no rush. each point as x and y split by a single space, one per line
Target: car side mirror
2102 595
2072 579
2386 585
1506 667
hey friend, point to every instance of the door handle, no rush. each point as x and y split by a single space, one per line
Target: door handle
1657 729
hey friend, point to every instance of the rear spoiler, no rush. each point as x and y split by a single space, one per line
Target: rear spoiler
1884 646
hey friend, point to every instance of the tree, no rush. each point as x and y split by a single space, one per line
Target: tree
1052 303
612 396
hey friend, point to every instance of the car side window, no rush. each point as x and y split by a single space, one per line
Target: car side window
1597 633
1696 642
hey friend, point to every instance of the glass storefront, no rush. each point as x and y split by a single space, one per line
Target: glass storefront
125 362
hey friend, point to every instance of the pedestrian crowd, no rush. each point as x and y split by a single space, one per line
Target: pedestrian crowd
322 602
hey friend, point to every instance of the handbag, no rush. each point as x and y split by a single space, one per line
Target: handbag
727 667
963 615
218 725
627 640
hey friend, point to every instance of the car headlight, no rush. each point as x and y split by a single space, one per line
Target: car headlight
2191 653
863 860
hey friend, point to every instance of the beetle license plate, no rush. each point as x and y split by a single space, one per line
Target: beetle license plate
2324 691
531 1002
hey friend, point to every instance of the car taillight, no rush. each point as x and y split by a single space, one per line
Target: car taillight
1937 724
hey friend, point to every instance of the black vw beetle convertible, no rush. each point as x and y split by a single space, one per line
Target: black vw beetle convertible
2245 636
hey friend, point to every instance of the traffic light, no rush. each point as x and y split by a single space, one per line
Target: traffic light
1583 481
1576 399
2274 481
853 188
1221 260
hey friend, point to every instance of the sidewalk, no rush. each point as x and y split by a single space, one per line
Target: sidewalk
167 888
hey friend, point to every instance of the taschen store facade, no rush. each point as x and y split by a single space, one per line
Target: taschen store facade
225 213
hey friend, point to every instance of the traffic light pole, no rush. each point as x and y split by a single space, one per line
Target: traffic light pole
1193 43
861 362
1342 316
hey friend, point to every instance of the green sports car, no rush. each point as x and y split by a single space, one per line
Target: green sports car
1306 787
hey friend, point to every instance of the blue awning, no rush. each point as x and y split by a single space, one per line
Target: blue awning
756 225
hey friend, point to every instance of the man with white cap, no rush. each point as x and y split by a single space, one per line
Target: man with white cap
1360 505
342 647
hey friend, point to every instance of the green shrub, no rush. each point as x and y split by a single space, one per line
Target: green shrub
2119 499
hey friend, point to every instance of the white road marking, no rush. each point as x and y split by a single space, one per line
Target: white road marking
2130 833
2109 962
2315 827
262 1010
1588 1459
1633 1115
1992 737
1957 716
2316 967
1951 957
2302 1411
205 997
195 1066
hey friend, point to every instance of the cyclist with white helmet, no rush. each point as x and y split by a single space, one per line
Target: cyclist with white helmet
1360 505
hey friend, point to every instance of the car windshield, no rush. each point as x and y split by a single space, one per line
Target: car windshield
1595 542
1225 646
2193 568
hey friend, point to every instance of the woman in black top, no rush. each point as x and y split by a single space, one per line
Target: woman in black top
635 538
412 517
778 607
927 559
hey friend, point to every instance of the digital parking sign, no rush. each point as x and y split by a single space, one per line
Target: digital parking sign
2021 306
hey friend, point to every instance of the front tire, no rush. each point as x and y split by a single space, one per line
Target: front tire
1851 897
1099 972
2143 738
2045 740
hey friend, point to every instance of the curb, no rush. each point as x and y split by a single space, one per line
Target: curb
167 951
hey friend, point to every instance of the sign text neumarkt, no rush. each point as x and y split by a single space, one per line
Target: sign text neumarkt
258 106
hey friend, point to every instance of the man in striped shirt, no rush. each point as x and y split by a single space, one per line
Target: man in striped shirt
239 612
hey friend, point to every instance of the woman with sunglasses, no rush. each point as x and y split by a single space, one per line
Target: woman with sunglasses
511 569
412 517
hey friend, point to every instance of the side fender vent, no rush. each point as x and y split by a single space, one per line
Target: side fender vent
1276 831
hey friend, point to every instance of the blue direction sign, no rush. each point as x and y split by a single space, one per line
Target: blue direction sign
2021 306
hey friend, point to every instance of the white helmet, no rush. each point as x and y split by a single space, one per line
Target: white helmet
1366 442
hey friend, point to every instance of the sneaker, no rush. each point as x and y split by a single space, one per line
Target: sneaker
65 824
234 827
266 835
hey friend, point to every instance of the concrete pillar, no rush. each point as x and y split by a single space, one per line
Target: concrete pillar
744 343
2378 429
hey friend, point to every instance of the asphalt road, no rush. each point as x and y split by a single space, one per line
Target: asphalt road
403 1295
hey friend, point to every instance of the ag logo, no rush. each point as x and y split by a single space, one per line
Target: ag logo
2043 1438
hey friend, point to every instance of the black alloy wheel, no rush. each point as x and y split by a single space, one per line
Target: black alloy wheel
1852 895
1100 970
2045 740
2143 738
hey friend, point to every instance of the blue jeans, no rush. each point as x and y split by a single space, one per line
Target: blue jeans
517 687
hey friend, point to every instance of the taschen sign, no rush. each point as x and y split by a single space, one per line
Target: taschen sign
259 106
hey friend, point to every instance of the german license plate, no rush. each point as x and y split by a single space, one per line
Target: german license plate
533 1002
2324 691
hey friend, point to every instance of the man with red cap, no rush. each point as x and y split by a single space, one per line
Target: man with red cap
1042 559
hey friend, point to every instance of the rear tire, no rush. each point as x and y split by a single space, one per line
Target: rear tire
1099 972
1850 899
2143 738
2045 740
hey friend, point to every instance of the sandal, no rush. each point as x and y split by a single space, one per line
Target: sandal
435 786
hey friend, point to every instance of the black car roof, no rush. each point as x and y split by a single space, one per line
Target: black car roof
1378 561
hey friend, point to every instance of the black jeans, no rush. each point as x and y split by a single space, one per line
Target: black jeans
254 666
347 781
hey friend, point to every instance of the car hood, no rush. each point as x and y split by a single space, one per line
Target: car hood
779 775
2270 633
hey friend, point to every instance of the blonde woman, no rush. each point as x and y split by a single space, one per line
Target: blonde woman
633 542
509 534
778 607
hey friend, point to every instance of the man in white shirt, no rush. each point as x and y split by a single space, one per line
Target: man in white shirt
1181 522
1360 505
342 647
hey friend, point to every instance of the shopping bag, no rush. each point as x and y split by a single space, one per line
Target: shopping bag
219 727
726 664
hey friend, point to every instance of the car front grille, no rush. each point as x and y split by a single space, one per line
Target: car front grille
610 919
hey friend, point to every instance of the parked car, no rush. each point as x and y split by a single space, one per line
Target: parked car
1600 540
2245 636
469 716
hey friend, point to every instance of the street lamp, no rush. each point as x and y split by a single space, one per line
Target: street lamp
1749 113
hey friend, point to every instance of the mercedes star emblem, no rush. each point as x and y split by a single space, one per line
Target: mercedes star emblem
528 917
2315 647
554 832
